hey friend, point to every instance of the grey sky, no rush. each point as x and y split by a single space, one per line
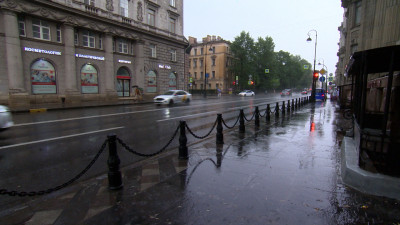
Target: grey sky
286 21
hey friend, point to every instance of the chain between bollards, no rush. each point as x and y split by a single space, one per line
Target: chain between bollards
220 135
114 174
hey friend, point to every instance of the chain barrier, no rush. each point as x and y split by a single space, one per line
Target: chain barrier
237 120
252 117
199 137
148 155
264 114
50 190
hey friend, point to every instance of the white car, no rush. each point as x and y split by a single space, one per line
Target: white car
5 118
173 96
247 93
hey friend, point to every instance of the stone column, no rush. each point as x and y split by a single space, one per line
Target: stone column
109 75
13 53
71 83
139 77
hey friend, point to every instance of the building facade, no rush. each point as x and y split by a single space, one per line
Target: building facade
212 56
89 50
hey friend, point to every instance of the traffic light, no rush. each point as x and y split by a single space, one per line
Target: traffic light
234 83
316 74
252 82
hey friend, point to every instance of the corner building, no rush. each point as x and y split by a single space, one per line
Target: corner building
75 51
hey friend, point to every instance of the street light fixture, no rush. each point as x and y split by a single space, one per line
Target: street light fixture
315 56
205 71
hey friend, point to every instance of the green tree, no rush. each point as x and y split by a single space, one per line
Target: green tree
264 59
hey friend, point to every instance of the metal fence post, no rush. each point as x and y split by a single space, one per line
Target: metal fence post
288 106
241 122
257 117
267 115
283 108
183 149
293 108
277 110
220 135
114 174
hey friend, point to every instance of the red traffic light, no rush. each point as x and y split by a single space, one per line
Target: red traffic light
252 82
316 74
234 82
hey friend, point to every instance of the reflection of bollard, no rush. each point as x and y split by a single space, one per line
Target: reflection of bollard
241 122
277 110
267 115
114 175
219 155
183 149
220 135
283 108
257 117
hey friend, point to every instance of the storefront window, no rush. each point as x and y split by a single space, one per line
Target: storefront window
172 80
123 82
151 78
43 77
89 80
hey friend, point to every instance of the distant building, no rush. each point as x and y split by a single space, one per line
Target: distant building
212 56
89 50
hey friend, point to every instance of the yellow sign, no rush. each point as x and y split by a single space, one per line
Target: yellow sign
322 71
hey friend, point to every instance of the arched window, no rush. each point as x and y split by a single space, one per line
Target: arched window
123 82
172 80
151 79
43 77
89 80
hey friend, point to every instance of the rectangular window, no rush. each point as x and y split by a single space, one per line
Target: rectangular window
21 26
88 39
201 76
172 3
201 51
41 29
122 46
123 6
89 2
213 74
190 62
153 50
194 63
195 75
76 37
173 55
357 14
195 51
213 62
151 17
59 33
172 23
100 41
201 63
213 50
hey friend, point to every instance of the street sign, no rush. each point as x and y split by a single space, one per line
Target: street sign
207 75
266 70
322 71
306 67
322 79
190 80
330 78
331 74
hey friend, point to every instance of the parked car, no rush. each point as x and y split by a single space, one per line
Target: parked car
247 93
286 92
305 91
320 94
5 118
173 96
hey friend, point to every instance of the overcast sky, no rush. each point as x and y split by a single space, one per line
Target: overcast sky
286 21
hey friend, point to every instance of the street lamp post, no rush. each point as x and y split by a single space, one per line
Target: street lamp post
315 56
205 71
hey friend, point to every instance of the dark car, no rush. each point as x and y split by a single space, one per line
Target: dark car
286 92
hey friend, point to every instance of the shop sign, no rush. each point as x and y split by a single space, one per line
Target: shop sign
42 51
124 61
90 57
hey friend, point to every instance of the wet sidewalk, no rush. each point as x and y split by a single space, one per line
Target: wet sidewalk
285 172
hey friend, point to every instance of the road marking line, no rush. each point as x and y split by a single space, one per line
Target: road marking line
57 138
187 116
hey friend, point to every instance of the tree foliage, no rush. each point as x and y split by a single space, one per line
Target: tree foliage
253 58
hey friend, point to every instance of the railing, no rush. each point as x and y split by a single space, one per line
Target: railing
113 162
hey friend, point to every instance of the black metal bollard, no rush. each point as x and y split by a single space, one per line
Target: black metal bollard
277 110
283 108
267 115
242 129
296 105
257 117
220 135
114 174
293 105
183 149
288 106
